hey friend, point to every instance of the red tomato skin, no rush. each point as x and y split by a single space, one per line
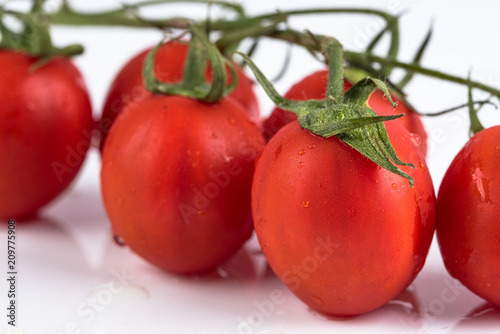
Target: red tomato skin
314 87
176 180
128 87
468 215
343 234
45 130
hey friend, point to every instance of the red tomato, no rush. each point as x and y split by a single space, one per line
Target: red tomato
468 215
128 87
314 87
176 178
45 131
343 234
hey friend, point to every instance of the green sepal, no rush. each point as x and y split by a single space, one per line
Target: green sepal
353 121
325 125
361 91
194 84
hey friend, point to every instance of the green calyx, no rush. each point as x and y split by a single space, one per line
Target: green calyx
194 84
34 37
346 116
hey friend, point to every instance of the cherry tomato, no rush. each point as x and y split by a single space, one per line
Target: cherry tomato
45 130
128 87
343 234
468 215
176 179
314 87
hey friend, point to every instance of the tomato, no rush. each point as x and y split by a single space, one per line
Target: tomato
314 87
468 215
45 131
343 234
128 87
176 178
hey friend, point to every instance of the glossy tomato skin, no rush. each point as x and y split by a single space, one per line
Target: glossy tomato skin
343 234
45 131
128 87
314 87
468 215
176 178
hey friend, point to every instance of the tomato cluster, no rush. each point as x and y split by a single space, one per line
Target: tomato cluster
185 182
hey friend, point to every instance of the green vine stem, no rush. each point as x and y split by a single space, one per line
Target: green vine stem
475 124
34 38
127 16
361 60
355 57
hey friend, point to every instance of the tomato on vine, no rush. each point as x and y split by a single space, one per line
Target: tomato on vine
128 86
314 86
45 118
468 211
177 171
345 232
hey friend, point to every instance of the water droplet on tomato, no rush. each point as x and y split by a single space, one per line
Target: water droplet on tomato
317 300
197 153
120 201
300 164
421 165
231 120
301 152
311 146
305 204
222 273
394 186
118 240
415 139
195 165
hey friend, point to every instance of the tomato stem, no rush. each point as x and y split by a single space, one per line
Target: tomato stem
335 86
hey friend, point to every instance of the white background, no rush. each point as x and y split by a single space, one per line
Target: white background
67 257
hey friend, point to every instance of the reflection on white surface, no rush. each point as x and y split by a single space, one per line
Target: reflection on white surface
14 330
63 288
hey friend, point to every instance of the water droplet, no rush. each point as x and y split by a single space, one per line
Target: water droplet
118 240
305 204
301 152
222 273
488 284
195 165
394 186
415 139
421 165
231 120
317 300
311 146
300 164
197 153
120 201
